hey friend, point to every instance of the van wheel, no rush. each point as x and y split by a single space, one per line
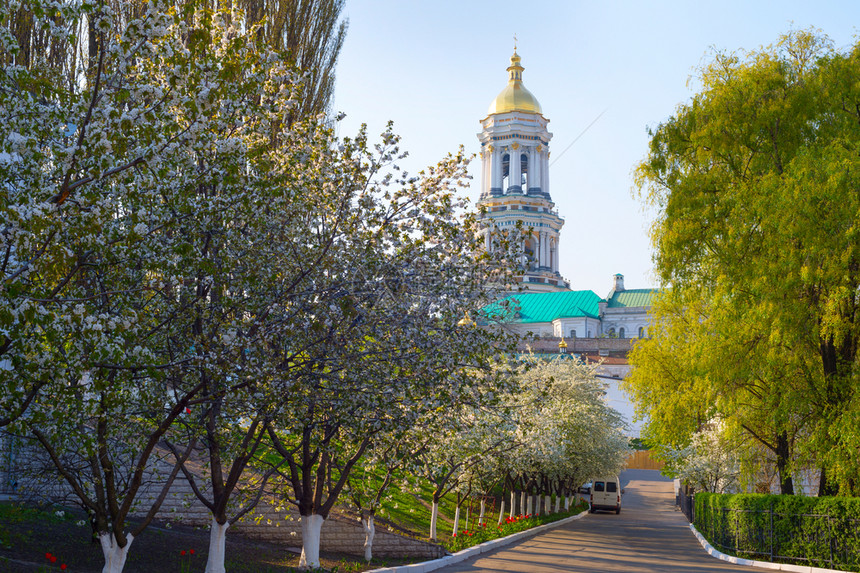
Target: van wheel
617 510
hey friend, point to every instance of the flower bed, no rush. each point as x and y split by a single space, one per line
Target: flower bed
510 525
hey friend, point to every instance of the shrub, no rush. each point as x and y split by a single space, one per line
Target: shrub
788 528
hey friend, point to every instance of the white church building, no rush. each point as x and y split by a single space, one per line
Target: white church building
515 194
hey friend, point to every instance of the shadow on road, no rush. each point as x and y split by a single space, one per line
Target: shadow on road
649 535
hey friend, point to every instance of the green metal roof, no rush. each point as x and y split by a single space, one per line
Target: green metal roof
545 306
633 297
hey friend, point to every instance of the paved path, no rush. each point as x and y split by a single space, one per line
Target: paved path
648 536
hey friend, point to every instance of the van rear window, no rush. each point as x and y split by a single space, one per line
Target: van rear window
598 486
611 486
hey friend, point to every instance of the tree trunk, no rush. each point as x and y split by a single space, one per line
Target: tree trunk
513 504
434 517
523 496
114 554
557 503
826 486
501 511
783 455
456 520
311 528
567 503
547 505
369 531
483 512
217 541
530 504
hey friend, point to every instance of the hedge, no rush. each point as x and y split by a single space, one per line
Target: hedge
813 531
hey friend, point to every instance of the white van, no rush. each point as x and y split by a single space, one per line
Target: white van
605 494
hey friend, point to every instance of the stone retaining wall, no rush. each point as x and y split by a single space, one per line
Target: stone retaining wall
340 533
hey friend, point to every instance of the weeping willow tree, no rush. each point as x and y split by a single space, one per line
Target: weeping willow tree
755 185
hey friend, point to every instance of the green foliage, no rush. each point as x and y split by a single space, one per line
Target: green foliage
805 529
754 182
638 444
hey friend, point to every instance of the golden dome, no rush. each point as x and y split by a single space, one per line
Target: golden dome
515 97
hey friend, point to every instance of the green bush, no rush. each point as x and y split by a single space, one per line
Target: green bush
787 528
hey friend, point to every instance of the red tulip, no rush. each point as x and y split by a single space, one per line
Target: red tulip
182 552
48 556
191 552
63 566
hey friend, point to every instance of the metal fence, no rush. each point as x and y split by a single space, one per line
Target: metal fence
805 539
685 504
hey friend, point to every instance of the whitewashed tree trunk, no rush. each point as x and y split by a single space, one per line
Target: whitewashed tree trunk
501 512
483 512
311 529
547 504
457 520
217 541
513 503
557 503
114 554
523 496
369 531
434 517
530 504
567 503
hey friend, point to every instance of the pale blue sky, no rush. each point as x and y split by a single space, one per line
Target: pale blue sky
434 67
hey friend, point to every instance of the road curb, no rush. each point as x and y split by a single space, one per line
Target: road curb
753 563
426 566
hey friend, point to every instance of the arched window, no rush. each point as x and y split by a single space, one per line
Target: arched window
573 333
612 332
524 171
641 332
621 333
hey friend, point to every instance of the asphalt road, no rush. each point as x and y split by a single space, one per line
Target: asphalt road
648 536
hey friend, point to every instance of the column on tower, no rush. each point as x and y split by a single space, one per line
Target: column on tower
530 160
496 168
544 164
549 250
485 178
537 167
545 249
514 167
539 258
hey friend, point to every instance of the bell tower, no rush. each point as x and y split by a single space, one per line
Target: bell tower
515 182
